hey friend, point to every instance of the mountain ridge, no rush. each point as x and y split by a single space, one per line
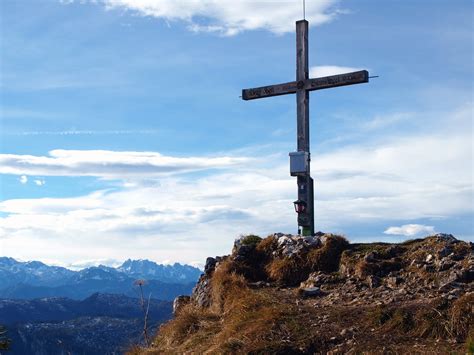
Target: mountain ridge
35 279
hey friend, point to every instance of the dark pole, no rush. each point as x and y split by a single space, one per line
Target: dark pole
305 183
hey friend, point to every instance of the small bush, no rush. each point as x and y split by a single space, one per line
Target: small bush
251 239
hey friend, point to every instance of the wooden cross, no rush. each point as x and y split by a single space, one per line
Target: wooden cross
300 161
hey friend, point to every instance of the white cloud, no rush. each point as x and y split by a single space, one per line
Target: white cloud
39 182
23 179
187 218
327 70
89 263
410 230
110 164
229 17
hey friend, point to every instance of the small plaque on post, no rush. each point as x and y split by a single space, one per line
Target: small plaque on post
299 163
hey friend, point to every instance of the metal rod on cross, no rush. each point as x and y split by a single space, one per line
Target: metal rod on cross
300 160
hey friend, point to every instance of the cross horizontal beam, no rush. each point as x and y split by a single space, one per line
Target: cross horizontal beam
292 87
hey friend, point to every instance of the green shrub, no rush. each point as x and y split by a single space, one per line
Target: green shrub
251 239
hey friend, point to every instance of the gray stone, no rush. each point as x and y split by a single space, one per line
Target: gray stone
345 332
311 292
210 265
290 245
449 238
445 265
179 302
201 294
258 284
444 252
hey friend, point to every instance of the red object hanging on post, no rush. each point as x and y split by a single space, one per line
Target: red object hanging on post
300 206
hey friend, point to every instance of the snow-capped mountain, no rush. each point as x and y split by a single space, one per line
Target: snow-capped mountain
147 269
35 273
35 279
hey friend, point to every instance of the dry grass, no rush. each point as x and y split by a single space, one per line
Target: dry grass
291 271
379 268
240 320
227 287
327 258
437 319
462 317
470 342
267 246
193 326
432 321
287 271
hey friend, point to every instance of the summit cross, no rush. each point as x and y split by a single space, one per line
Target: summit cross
300 160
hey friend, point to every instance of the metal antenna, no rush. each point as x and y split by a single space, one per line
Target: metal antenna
304 10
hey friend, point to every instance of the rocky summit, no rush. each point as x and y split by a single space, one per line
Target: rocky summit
289 294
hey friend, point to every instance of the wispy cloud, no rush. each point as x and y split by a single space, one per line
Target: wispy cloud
410 230
39 182
23 179
74 132
110 164
229 17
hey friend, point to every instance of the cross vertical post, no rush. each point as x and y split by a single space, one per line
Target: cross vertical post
300 160
304 181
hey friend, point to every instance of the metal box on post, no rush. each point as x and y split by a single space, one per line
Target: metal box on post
299 163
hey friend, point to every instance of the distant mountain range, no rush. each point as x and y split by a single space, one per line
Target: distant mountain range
99 324
54 310
34 279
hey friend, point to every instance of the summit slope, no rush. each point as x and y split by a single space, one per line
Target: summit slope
288 294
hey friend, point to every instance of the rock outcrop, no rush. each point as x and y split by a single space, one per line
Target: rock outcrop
294 294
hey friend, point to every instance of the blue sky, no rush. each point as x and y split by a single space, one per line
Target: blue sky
123 134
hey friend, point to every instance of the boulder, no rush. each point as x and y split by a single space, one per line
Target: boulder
179 302
291 245
311 292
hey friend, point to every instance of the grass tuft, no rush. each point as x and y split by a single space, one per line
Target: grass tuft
288 271
267 246
462 316
328 257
